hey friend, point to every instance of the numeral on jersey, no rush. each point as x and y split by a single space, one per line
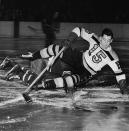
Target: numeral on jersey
97 58
118 64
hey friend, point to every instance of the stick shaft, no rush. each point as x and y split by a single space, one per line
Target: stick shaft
27 91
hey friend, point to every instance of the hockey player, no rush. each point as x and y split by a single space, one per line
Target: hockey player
84 64
16 71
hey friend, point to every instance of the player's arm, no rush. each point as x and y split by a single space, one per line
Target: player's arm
120 77
54 49
51 50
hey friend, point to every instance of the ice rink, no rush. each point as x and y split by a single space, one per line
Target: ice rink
95 109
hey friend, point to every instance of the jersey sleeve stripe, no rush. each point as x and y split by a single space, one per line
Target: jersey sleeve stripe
95 40
49 50
121 73
54 49
109 55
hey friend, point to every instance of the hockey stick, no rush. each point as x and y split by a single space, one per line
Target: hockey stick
29 89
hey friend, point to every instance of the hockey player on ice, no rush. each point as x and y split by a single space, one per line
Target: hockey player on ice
83 64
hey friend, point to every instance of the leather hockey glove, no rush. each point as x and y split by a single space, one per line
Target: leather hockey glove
124 89
72 36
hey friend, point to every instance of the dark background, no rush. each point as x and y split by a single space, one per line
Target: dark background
69 10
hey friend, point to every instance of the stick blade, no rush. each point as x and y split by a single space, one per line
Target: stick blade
27 97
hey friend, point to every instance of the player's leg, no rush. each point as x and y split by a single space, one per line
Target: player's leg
66 82
27 76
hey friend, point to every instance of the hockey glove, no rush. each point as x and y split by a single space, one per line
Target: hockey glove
72 36
86 35
124 89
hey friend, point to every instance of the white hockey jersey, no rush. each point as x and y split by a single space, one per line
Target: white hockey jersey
95 58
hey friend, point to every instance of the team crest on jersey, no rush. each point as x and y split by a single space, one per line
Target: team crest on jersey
93 49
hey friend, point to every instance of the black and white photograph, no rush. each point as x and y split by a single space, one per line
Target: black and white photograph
64 65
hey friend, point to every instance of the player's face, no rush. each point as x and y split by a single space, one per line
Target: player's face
105 41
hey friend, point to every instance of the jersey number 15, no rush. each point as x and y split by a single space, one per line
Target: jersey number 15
97 58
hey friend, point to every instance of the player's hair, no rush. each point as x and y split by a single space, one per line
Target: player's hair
107 32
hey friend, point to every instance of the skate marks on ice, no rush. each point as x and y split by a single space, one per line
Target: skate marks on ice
100 98
93 99
46 103
58 99
57 102
12 116
90 99
11 94
14 110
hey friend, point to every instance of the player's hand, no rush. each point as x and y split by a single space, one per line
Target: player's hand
124 88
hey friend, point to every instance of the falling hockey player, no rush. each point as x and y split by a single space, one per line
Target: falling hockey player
83 64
